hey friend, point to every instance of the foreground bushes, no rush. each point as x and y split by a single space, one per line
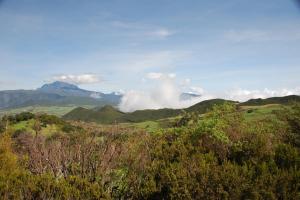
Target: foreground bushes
220 156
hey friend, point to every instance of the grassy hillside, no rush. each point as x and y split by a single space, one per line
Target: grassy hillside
260 112
111 114
146 115
107 114
204 106
52 110
272 100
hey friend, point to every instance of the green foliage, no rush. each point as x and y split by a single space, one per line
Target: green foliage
220 122
23 116
8 160
287 157
292 117
50 119
218 155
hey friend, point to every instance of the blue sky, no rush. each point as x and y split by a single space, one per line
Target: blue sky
112 45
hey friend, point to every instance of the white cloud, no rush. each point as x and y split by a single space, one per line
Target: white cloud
143 30
196 90
186 82
161 33
172 75
244 95
164 94
78 79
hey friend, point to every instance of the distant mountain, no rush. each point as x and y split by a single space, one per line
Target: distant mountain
58 94
272 100
111 114
66 89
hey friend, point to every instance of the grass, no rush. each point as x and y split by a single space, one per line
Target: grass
260 112
24 125
150 126
27 126
52 110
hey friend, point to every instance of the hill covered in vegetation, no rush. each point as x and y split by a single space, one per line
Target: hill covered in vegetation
272 100
111 115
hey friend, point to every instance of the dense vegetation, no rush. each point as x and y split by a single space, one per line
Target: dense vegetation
219 155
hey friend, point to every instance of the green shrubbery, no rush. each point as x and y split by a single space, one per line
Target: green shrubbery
218 156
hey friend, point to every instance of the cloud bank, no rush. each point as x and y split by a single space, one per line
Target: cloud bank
165 93
78 79
244 95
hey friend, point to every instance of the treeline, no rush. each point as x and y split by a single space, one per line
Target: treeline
217 156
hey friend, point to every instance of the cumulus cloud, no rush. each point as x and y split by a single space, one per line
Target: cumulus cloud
166 93
78 79
244 95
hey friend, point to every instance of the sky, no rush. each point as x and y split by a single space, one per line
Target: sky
235 48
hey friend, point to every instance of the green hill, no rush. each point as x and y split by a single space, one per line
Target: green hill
272 100
109 114
204 106
106 114
150 115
